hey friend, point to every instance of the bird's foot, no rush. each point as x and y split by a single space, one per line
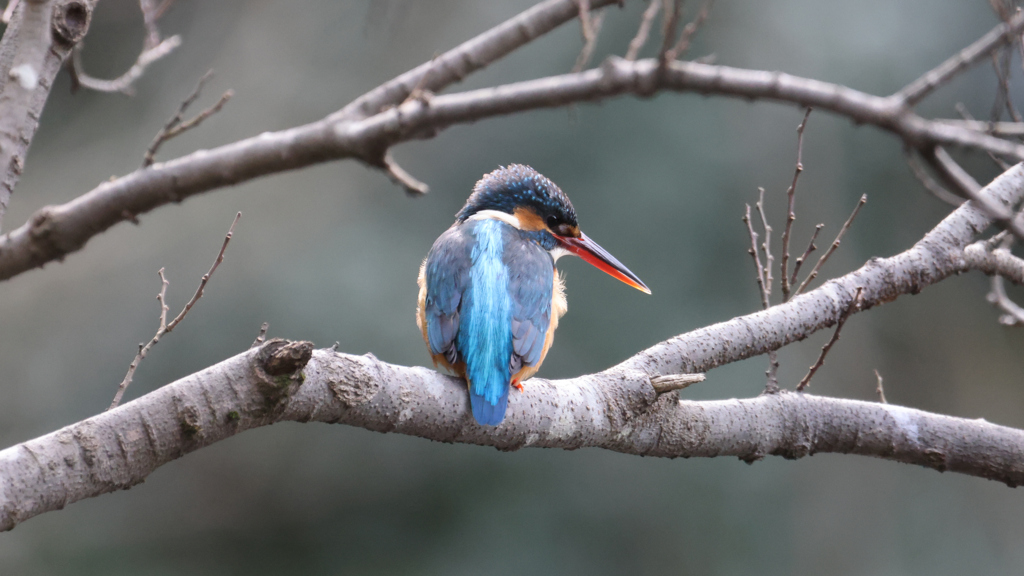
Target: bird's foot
517 385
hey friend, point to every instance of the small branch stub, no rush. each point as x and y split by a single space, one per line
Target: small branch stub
663 384
262 337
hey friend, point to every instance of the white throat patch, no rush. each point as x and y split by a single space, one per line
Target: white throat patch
505 217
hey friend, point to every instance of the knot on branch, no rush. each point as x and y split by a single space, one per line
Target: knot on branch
354 380
279 365
70 21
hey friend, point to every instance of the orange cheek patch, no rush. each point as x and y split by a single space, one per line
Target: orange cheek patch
528 219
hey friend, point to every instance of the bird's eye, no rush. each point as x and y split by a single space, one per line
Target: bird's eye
552 222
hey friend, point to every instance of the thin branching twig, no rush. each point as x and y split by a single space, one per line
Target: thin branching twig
761 284
766 246
854 305
165 326
811 247
835 244
638 41
764 286
153 49
590 25
929 183
689 31
175 126
791 197
672 11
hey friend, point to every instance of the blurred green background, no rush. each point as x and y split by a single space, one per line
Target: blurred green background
330 254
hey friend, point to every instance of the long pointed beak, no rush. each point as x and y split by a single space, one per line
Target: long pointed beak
590 251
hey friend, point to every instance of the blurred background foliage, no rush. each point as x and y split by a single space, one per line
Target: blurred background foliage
330 254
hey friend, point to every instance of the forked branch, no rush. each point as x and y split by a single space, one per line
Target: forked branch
165 326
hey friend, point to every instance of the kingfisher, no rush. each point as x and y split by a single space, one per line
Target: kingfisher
490 296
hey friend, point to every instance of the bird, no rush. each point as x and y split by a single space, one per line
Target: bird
490 297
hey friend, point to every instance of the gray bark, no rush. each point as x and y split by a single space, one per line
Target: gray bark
39 38
386 116
617 409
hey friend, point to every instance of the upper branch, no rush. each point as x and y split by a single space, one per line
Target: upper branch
618 409
56 231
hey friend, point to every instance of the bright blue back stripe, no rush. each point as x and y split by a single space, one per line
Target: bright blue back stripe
485 331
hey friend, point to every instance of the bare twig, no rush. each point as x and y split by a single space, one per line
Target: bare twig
772 383
671 382
972 124
403 178
811 247
790 213
165 326
766 246
1002 34
153 49
835 244
175 126
123 83
879 389
690 30
590 25
854 305
928 182
262 337
1013 314
1003 97
761 284
152 11
644 30
956 176
670 21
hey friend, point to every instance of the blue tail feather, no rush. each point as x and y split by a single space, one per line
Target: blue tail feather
486 413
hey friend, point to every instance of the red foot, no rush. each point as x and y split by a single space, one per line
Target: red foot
517 385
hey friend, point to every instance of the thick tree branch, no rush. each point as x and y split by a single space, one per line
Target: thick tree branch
56 231
39 38
618 409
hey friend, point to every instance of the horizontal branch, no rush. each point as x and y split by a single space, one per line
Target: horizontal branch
56 231
619 409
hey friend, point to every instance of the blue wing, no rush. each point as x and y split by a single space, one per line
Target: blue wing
447 276
531 281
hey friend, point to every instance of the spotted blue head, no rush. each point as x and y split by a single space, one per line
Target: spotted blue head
537 205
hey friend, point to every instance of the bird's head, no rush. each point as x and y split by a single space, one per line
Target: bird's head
524 198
